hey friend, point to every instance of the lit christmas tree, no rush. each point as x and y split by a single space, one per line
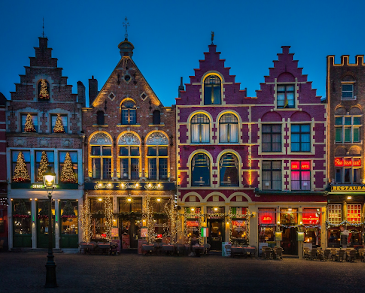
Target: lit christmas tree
67 173
21 173
29 126
58 128
43 166
43 92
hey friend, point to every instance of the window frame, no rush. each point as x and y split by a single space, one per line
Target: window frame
228 128
37 164
129 110
100 115
129 157
60 164
352 84
200 127
157 157
271 170
271 133
205 85
285 92
101 157
343 126
300 170
22 126
300 133
343 169
52 115
209 170
27 163
237 170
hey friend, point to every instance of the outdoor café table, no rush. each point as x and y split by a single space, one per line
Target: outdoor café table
168 248
105 247
249 250
197 249
148 247
87 248
237 250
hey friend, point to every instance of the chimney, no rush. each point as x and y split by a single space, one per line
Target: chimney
181 87
81 93
93 89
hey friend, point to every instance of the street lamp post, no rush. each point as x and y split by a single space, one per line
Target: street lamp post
49 181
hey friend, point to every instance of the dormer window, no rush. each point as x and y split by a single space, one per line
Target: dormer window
212 90
285 96
129 113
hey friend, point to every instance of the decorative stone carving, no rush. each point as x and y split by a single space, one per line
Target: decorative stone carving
100 139
19 142
157 138
66 143
44 142
129 139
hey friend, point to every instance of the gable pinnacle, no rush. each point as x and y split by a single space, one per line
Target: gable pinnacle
126 25
212 37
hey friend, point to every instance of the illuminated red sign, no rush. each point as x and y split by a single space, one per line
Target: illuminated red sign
295 165
192 223
305 165
159 236
238 223
310 218
266 219
338 162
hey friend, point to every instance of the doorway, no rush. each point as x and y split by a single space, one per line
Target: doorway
130 233
216 233
289 242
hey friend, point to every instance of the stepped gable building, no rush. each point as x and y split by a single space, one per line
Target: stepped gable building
43 128
289 142
129 156
217 173
345 130
3 184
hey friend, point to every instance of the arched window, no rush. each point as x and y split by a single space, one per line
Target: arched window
228 128
100 118
228 169
101 156
212 90
129 115
156 117
200 170
157 156
200 128
129 156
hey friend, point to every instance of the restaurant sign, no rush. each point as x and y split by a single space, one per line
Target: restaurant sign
310 218
347 188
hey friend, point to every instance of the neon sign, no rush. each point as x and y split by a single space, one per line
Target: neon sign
347 162
302 165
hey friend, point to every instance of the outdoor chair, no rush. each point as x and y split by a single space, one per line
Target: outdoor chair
352 256
278 253
362 254
333 254
313 254
326 254
267 252
341 255
306 253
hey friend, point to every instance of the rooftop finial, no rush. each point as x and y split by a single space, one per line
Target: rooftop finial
43 27
126 25
212 37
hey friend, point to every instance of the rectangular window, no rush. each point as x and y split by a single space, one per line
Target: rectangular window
129 162
354 213
347 129
14 159
157 162
300 175
348 170
133 204
63 119
347 92
286 96
38 159
69 215
271 172
101 162
334 213
74 161
300 138
34 120
271 138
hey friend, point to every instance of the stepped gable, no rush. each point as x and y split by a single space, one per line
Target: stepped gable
212 64
43 66
286 70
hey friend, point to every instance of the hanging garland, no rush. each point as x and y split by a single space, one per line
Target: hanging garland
344 223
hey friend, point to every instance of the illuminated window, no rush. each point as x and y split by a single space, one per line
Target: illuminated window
200 129
347 129
129 113
63 119
334 213
300 175
129 162
354 213
228 169
34 119
74 161
228 128
101 159
14 158
347 170
200 170
271 173
285 94
212 90
157 156
300 138
38 157
271 138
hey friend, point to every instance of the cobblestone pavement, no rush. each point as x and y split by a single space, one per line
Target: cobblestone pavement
25 272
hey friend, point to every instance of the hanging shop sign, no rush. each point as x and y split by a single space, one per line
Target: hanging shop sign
347 188
238 223
278 236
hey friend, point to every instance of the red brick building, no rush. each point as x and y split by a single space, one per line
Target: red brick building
345 130
43 128
129 154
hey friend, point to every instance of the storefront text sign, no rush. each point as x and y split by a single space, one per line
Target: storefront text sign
192 223
348 188
347 162
310 218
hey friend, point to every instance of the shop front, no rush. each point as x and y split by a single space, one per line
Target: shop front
289 229
22 223
311 221
130 221
43 222
69 224
239 225
267 227
216 226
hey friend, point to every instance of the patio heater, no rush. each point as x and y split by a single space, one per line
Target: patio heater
49 181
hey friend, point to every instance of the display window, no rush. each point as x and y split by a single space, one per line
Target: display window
69 216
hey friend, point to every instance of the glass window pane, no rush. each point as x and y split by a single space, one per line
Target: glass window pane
347 134
347 175
357 120
107 151
347 120
134 151
338 121
338 134
95 151
162 151
124 170
305 128
95 162
295 128
123 151
152 151
152 169
107 168
338 175
356 134
134 168
162 168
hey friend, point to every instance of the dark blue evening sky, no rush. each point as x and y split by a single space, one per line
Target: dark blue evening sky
170 37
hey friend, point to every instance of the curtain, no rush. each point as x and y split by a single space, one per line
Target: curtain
205 133
223 132
295 180
306 180
195 133
233 132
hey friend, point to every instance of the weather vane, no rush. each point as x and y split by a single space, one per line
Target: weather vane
212 37
126 25
43 27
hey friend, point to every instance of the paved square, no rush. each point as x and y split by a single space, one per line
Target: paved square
25 272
